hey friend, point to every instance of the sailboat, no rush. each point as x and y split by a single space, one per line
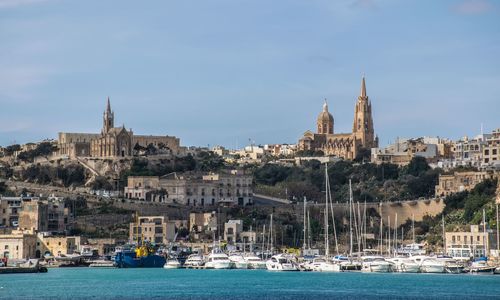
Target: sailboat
326 264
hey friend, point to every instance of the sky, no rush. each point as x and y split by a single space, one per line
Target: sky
224 72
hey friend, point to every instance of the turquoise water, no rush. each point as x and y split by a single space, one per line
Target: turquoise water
89 283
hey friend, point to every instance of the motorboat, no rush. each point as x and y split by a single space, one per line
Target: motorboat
347 264
322 264
194 261
281 262
172 264
375 264
238 260
429 264
404 265
218 260
101 264
481 266
254 262
452 265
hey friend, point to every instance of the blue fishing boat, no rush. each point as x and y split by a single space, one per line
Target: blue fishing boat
138 257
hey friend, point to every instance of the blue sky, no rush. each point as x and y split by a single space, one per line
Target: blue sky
226 71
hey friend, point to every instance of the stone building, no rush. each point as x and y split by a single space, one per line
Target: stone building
467 244
45 216
18 245
232 230
459 182
491 151
345 145
154 229
57 245
231 188
9 211
112 142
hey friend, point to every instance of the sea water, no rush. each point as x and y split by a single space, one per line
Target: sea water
93 283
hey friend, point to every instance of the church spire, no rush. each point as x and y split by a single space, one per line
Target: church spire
363 88
325 106
108 107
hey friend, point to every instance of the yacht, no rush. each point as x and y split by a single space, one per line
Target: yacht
172 264
429 264
321 264
254 262
452 266
404 265
281 262
238 260
218 260
375 264
193 261
481 266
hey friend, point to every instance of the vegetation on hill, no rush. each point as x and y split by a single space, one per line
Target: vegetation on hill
370 182
70 175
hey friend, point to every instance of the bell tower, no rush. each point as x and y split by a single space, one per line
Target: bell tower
108 119
363 122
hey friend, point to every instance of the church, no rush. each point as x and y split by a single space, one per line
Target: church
345 145
112 142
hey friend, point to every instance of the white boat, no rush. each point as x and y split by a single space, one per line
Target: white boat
404 265
321 264
218 260
254 262
375 264
172 264
193 261
102 264
238 260
429 264
281 262
481 266
452 266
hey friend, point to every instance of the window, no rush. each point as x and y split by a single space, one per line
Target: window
6 247
486 152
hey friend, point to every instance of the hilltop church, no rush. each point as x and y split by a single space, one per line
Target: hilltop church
345 145
112 142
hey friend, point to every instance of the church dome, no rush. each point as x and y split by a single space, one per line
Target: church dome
325 121
325 116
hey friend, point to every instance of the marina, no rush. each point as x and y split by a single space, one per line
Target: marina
244 284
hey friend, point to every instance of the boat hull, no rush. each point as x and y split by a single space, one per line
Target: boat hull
129 260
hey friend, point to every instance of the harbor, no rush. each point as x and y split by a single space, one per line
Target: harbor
88 283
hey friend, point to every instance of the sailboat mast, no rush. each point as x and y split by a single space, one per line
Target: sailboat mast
308 230
327 188
271 234
444 235
350 218
498 232
413 228
305 207
395 234
389 235
263 240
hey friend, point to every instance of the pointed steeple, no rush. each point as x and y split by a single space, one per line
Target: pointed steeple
363 88
108 107
325 106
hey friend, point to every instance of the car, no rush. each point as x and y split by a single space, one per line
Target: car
15 224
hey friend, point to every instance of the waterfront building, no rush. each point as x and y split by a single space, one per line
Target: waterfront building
57 245
104 246
18 245
154 229
193 189
345 145
459 182
467 244
112 142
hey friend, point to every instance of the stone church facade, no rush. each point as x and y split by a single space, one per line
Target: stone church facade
112 142
345 145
